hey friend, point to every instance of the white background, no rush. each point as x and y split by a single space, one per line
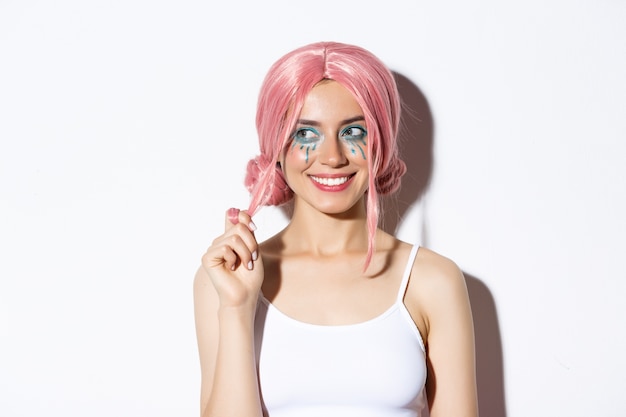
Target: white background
125 127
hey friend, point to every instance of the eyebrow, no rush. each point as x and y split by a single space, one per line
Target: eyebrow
343 122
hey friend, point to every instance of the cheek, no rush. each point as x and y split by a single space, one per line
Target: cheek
357 149
357 152
295 161
299 154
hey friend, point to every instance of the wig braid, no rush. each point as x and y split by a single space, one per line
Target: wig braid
388 181
265 180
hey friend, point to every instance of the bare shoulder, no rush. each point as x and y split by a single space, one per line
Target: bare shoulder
436 288
431 268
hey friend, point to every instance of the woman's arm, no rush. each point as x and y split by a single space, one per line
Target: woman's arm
451 380
225 294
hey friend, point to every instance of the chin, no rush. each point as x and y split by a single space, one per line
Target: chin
335 208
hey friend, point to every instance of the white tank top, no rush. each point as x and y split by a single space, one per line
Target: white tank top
376 368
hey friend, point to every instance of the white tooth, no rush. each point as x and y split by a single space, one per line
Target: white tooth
330 181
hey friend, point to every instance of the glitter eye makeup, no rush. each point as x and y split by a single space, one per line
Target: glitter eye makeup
355 136
307 139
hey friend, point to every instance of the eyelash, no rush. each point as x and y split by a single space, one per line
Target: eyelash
303 140
354 137
300 134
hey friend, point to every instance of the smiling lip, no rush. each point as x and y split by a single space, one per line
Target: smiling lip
335 182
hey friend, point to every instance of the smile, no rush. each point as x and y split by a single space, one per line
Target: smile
331 182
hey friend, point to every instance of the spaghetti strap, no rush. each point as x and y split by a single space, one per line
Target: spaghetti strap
407 273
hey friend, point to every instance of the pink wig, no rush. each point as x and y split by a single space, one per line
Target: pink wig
281 99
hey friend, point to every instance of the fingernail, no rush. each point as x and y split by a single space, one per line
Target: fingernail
232 268
250 265
254 255
252 226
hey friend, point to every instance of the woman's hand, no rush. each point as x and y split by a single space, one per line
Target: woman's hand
233 262
226 290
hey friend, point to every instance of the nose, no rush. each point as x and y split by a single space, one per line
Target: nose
332 153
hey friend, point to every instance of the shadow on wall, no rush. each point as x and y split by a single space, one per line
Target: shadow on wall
416 149
489 364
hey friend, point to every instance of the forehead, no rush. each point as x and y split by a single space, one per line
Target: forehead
330 102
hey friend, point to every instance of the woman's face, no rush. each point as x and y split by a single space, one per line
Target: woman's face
325 163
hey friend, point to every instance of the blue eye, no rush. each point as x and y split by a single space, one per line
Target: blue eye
306 135
354 133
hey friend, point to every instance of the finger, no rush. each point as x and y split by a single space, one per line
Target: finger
247 237
243 232
220 256
237 247
235 216
245 218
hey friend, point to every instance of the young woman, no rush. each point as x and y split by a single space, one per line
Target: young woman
331 316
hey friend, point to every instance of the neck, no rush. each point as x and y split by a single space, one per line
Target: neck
325 234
